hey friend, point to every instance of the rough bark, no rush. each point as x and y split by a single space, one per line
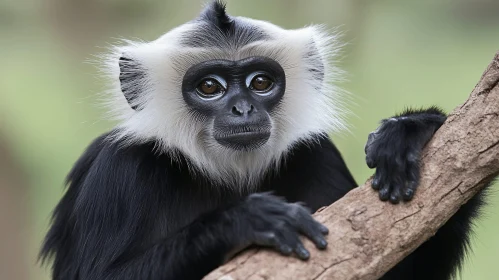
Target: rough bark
368 237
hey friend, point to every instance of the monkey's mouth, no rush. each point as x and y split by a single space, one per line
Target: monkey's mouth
243 138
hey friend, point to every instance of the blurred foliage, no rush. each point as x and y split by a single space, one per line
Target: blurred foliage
399 54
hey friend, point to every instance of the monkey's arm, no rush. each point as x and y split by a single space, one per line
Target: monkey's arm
121 218
189 253
205 244
394 149
104 226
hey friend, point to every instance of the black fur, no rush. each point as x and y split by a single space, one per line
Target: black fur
131 213
218 29
394 149
216 14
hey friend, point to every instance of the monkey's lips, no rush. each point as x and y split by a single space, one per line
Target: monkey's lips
243 139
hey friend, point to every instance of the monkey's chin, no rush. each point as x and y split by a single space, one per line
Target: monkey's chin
243 141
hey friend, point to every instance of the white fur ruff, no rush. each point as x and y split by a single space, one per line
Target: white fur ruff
310 104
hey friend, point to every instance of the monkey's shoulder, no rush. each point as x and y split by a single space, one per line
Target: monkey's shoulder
107 161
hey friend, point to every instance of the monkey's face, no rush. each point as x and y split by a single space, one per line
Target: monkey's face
238 96
232 94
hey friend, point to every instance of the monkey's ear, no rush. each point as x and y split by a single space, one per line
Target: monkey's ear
315 61
131 80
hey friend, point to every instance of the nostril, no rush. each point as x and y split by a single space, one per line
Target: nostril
236 111
251 109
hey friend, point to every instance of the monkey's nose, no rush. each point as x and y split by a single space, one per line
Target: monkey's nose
243 108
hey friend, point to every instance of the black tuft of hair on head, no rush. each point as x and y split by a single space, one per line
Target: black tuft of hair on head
216 14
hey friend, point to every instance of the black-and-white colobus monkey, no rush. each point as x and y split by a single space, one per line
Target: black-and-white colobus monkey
222 145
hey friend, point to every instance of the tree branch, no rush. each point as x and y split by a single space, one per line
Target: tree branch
368 237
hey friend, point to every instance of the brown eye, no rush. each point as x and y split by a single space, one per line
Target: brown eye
261 83
210 87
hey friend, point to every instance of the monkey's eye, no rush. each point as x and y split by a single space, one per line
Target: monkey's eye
210 88
261 83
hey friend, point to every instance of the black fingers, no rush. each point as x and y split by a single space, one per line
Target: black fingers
313 230
412 173
285 242
301 252
396 179
384 192
285 249
394 150
271 239
376 183
324 230
278 224
292 239
266 238
395 194
409 190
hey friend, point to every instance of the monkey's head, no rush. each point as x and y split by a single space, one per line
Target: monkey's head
232 94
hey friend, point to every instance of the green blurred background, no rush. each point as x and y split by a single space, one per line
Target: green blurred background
399 54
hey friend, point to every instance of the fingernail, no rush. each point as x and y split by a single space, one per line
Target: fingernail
305 254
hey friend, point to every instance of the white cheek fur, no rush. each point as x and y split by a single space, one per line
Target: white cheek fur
311 103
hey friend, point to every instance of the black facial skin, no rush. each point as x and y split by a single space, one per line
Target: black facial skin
240 112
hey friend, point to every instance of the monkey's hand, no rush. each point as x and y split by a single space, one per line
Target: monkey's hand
394 149
267 220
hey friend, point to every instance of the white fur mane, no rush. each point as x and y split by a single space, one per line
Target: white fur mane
310 104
